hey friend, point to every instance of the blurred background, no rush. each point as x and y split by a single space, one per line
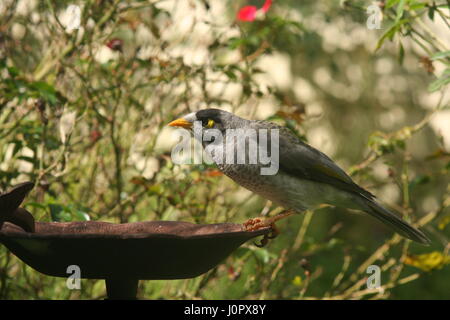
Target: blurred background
87 89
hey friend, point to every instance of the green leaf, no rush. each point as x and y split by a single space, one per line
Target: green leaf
401 53
440 82
234 43
391 3
81 215
262 254
400 10
419 180
35 205
56 211
390 33
431 12
45 91
13 72
18 145
417 6
440 55
230 74
444 222
67 213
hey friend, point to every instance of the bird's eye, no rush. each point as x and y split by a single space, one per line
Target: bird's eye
210 123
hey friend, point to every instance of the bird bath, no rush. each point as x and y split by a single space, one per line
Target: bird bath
121 254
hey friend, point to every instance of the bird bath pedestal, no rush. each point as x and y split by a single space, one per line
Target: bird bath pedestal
122 254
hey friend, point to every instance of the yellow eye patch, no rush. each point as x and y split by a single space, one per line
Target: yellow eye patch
210 123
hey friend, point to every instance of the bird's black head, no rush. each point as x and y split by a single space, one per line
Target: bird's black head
214 119
210 119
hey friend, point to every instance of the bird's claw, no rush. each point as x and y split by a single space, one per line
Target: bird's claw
274 232
263 243
260 223
255 224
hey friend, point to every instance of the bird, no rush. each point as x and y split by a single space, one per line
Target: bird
305 179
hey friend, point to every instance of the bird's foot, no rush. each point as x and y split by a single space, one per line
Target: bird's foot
260 223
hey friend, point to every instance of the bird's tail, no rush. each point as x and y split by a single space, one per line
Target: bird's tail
376 210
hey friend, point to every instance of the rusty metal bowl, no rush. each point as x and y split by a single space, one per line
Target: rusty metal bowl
121 254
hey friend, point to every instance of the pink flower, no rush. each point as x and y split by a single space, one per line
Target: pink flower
248 13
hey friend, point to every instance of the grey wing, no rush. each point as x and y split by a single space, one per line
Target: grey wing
300 159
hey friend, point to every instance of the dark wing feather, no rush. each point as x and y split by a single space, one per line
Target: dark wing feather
301 160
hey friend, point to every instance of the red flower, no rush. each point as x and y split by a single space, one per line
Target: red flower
248 13
115 44
266 6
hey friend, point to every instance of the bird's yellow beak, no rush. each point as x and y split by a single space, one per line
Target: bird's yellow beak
181 123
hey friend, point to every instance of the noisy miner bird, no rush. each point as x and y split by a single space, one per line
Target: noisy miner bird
305 178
